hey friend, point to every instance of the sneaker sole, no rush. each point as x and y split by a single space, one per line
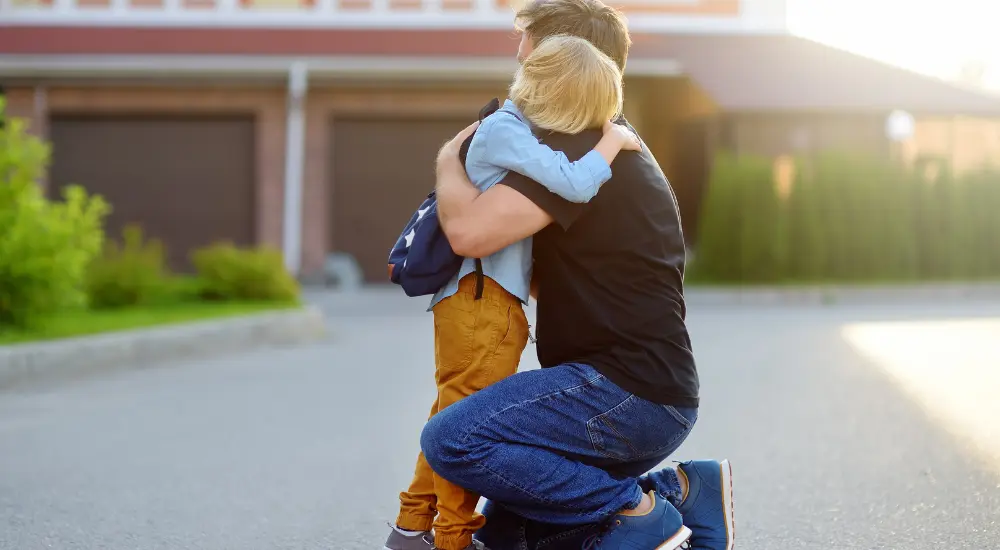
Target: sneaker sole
675 542
726 477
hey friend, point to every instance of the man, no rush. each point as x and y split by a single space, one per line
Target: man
557 451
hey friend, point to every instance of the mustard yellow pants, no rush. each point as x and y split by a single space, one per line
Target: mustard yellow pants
476 343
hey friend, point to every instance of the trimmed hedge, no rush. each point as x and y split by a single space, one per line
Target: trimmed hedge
742 233
847 219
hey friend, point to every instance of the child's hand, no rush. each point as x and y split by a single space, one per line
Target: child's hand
628 139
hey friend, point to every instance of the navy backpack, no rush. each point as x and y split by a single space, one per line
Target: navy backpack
422 261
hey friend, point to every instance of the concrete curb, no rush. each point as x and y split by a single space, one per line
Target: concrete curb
74 357
828 295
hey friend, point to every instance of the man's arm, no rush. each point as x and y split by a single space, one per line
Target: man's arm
478 225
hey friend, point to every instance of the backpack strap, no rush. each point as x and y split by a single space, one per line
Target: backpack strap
492 107
480 282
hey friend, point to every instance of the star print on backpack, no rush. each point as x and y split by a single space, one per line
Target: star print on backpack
422 261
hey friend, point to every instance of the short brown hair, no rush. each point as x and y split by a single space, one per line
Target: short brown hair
593 20
567 85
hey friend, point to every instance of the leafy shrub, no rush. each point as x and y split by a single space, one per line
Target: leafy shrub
231 273
718 224
849 218
741 227
45 246
178 289
128 274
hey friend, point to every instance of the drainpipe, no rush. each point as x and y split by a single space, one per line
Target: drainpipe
298 83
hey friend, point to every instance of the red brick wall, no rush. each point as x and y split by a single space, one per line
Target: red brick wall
30 104
695 7
25 103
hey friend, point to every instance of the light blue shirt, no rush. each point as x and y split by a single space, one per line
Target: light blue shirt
505 143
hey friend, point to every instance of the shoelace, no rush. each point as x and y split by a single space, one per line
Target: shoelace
593 541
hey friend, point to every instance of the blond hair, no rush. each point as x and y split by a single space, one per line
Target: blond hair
567 85
593 20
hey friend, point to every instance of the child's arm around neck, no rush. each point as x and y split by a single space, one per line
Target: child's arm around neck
616 139
507 142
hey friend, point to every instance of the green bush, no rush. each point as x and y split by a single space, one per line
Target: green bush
719 223
848 218
130 274
982 191
851 218
45 246
806 213
761 228
181 289
231 273
742 226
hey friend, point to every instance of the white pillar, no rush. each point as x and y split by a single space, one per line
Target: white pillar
173 6
59 6
298 82
326 7
227 7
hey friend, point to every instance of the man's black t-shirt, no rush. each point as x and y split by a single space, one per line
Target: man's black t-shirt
610 278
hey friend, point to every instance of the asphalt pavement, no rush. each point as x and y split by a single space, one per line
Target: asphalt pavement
854 427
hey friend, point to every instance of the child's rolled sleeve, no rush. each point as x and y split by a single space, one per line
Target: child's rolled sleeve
509 144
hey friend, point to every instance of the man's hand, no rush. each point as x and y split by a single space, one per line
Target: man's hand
450 151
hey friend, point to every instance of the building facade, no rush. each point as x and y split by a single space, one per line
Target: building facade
312 125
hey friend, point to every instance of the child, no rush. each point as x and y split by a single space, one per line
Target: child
566 85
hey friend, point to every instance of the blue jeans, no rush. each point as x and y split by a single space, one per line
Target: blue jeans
556 451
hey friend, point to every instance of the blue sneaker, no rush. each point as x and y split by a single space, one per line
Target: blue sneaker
708 506
659 529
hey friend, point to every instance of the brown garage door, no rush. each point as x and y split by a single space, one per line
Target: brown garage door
382 169
188 181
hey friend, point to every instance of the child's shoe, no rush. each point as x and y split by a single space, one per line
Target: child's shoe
409 540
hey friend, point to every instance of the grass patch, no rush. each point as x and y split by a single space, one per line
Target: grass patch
86 322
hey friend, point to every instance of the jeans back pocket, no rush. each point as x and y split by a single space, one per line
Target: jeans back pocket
637 429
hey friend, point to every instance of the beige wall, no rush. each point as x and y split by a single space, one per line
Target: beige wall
967 142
